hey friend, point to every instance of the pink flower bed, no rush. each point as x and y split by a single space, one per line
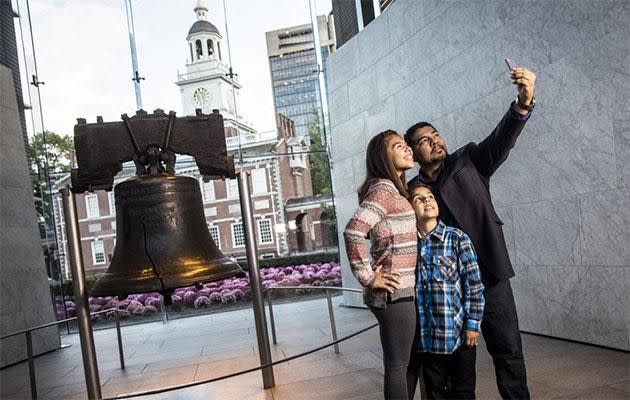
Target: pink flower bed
225 291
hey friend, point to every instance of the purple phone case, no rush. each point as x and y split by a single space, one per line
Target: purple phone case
510 63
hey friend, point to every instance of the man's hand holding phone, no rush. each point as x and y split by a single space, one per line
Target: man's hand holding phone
525 81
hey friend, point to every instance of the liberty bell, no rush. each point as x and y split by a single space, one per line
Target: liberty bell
162 240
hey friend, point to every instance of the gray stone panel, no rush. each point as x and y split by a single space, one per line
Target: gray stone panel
547 233
621 129
531 288
589 304
393 72
346 66
348 138
377 32
341 179
379 118
24 296
362 91
339 105
414 103
605 228
408 17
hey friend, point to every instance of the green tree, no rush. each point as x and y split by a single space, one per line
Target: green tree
318 160
50 156
52 153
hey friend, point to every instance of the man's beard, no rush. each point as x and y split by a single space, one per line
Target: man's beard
438 157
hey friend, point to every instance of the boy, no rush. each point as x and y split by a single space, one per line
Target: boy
450 304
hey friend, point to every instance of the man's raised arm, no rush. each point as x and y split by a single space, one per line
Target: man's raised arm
493 150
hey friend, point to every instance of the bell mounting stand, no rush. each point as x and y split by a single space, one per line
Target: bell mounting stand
159 214
88 351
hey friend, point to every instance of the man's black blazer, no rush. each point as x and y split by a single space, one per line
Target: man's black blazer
464 189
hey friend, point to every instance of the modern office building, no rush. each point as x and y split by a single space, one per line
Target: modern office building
294 72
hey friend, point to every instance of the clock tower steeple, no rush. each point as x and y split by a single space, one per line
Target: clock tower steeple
205 83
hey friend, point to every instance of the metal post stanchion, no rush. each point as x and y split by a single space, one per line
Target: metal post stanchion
163 308
86 336
121 355
254 279
271 320
31 365
331 315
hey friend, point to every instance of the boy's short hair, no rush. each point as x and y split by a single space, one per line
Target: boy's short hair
416 185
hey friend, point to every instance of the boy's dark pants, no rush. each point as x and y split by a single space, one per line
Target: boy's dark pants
445 376
503 340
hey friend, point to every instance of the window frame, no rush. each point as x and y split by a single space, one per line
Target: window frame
232 226
94 253
218 241
88 197
260 235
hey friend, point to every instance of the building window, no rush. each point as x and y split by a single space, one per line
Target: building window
234 208
232 189
94 228
214 233
210 47
199 49
98 252
261 204
91 206
238 236
259 181
192 58
207 190
264 231
219 50
112 203
210 212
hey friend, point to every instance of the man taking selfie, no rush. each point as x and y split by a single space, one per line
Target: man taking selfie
460 183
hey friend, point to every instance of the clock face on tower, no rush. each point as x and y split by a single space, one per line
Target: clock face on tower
201 97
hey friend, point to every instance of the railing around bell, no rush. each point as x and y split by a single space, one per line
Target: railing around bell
335 342
331 312
29 344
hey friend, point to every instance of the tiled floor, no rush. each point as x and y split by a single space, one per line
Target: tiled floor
194 349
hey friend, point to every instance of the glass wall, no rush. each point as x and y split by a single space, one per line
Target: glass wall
272 111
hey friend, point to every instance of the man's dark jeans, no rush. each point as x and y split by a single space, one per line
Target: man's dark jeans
503 340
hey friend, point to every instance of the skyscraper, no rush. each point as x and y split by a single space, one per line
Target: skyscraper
293 69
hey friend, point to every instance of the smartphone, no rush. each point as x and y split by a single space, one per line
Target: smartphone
510 64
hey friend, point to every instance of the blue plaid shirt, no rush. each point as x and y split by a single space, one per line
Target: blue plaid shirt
449 289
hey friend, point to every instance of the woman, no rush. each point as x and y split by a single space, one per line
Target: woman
386 217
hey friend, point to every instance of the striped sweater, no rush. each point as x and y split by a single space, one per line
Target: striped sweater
390 222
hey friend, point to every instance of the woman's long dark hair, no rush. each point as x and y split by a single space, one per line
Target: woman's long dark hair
380 165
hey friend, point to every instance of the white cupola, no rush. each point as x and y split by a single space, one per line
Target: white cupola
204 39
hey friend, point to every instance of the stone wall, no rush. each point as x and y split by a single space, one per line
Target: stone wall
564 191
25 299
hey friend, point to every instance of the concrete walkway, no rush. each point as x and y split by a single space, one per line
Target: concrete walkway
198 348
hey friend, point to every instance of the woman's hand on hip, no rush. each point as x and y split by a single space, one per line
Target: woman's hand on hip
386 281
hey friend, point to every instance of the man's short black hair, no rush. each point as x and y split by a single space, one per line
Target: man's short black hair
413 128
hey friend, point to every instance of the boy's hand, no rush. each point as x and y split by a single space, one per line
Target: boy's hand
389 282
470 338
